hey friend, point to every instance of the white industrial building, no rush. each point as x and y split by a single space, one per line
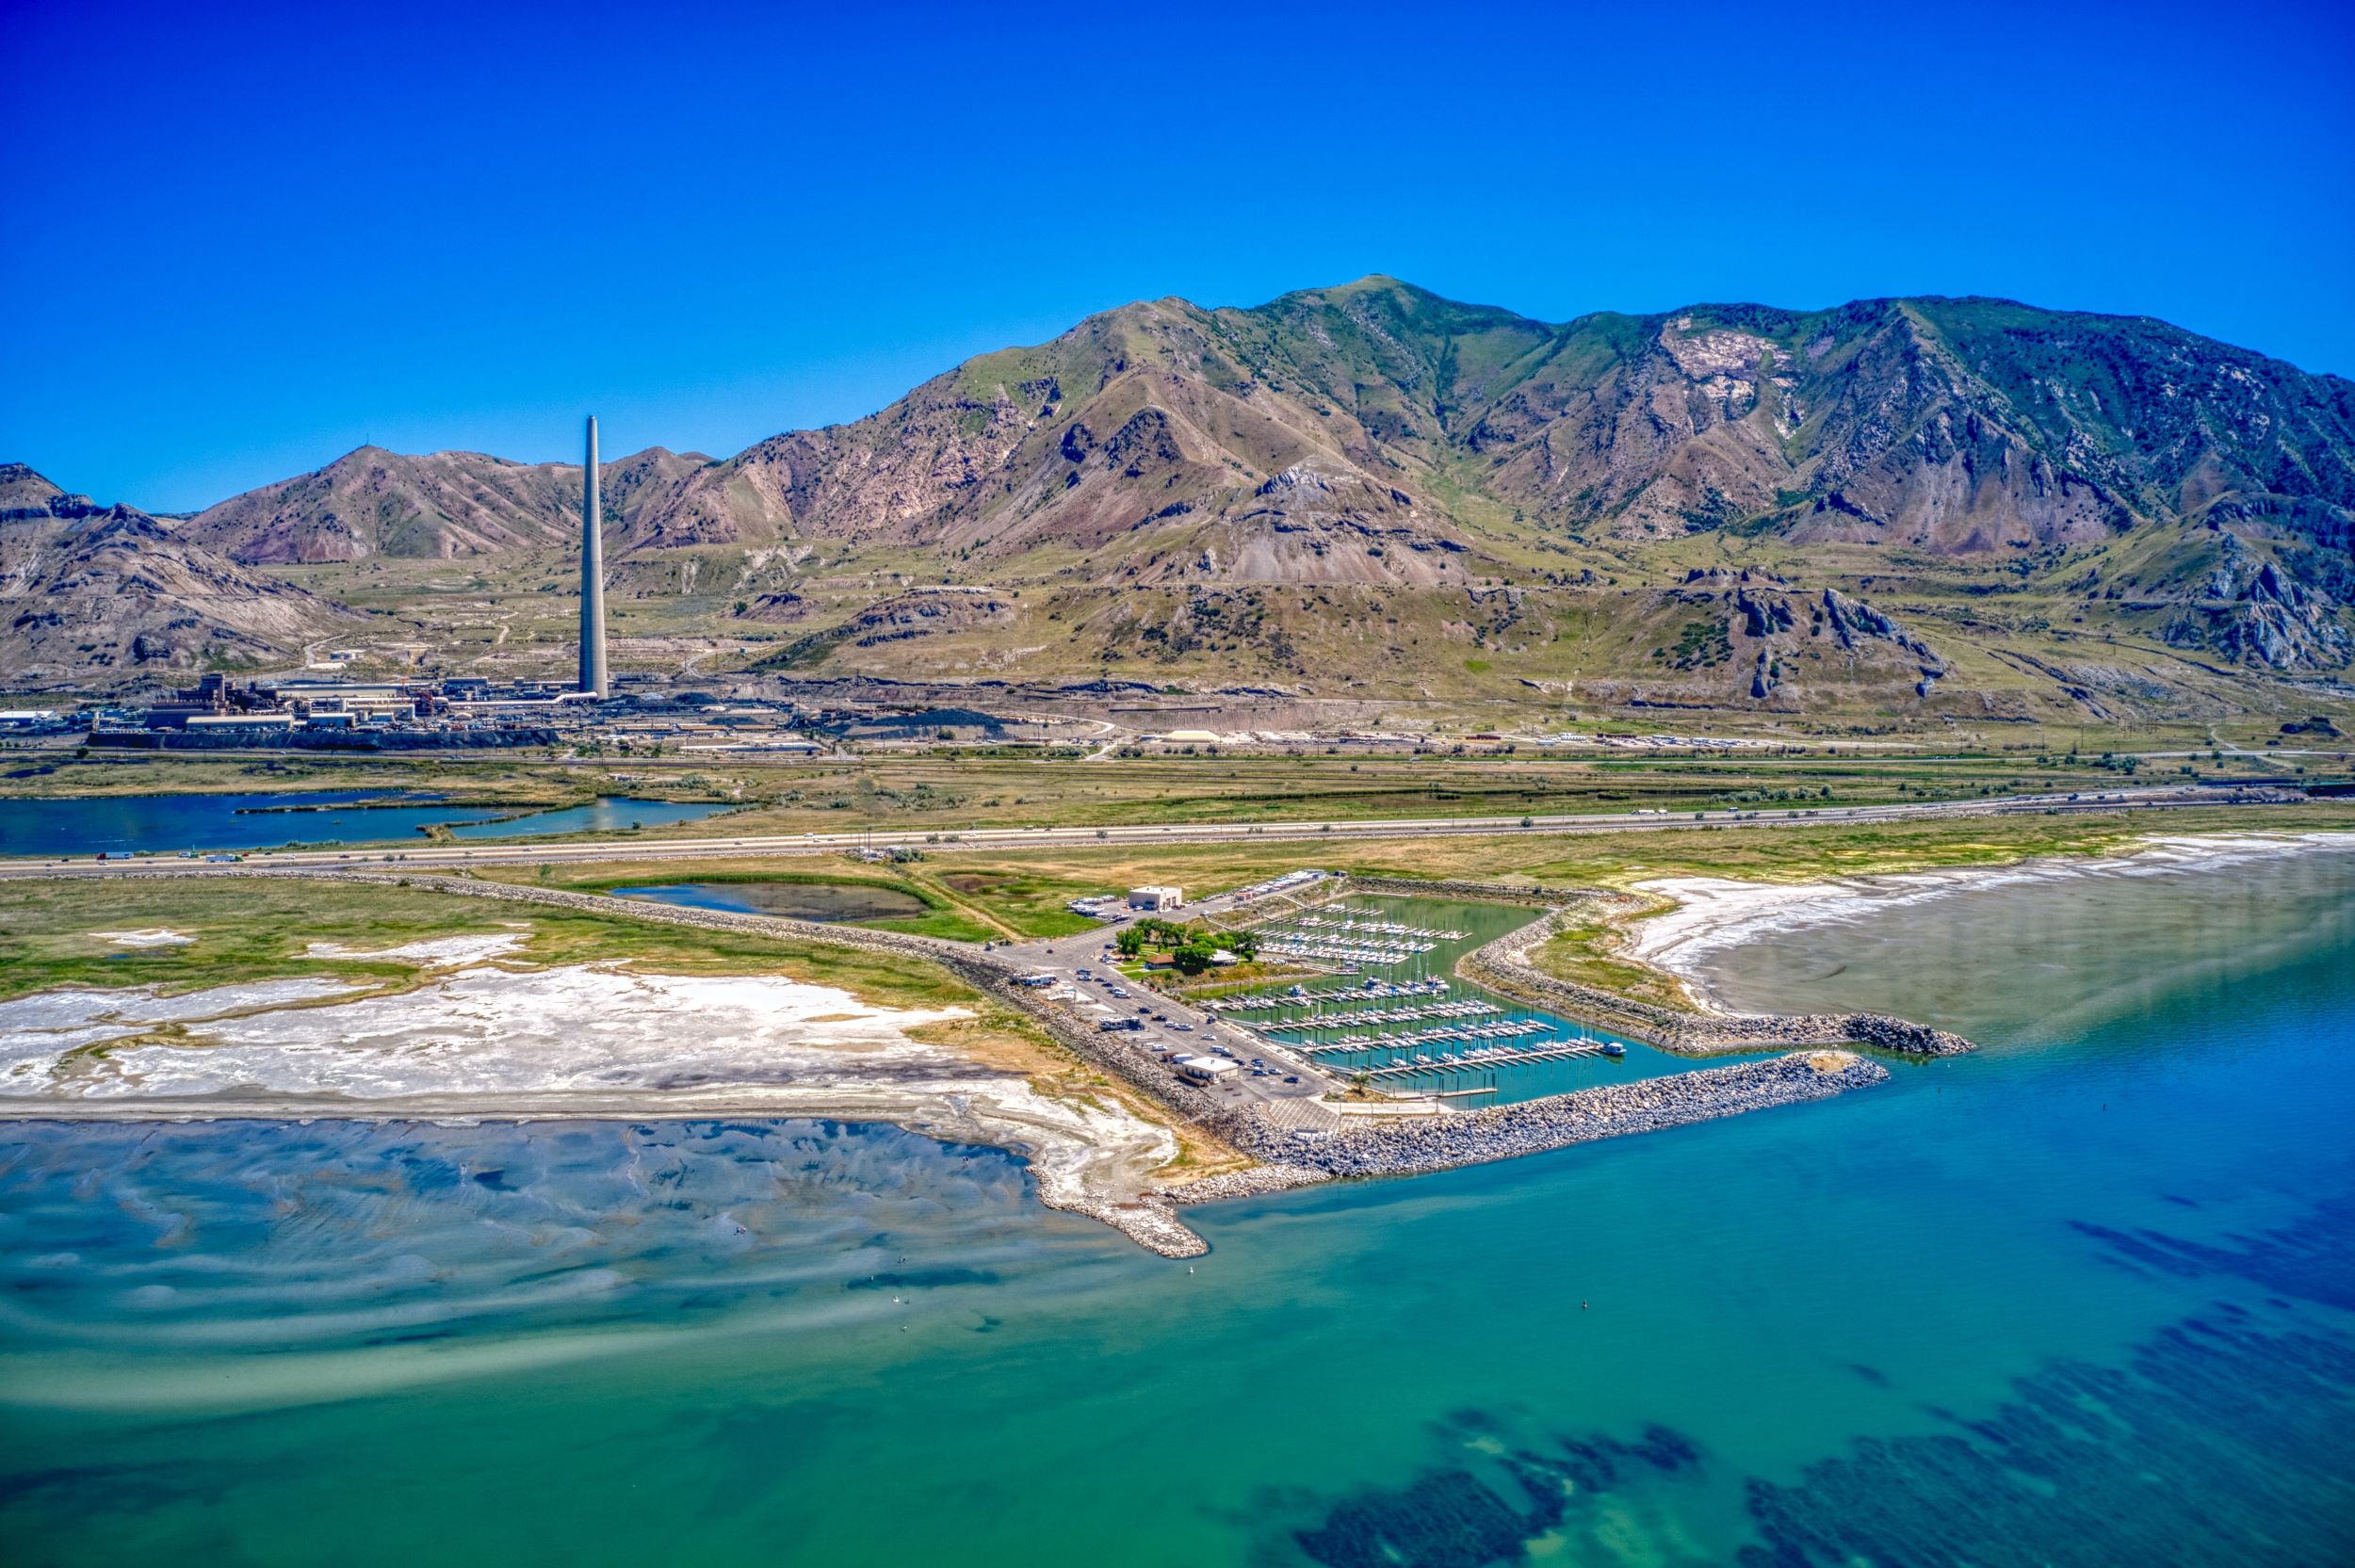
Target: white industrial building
1206 1070
1157 899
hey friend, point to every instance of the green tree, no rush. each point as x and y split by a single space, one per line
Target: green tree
1130 942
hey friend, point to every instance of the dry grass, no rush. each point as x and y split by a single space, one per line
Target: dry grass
1591 952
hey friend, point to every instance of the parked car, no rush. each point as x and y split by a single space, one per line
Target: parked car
1292 1078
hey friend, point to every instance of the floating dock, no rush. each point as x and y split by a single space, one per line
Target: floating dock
1342 1018
1462 1035
1566 1052
1371 990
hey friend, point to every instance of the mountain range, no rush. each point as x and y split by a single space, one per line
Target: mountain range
1373 488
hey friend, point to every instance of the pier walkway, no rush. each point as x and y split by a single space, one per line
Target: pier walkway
1501 1058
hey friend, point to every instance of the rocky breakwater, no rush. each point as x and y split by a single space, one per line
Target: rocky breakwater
1533 1127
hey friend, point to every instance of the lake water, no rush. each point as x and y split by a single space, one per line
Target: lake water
2085 1297
168 823
607 815
828 902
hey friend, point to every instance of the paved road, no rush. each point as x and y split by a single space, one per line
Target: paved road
638 846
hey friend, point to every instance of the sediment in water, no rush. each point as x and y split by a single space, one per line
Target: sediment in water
1500 1132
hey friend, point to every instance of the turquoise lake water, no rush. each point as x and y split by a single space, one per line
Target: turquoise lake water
2086 1296
170 823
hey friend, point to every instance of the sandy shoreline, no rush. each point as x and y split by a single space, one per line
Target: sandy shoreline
479 1042
596 1042
1713 914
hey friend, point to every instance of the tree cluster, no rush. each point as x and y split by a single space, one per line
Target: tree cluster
1190 946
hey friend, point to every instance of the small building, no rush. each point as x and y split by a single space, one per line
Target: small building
1157 899
1206 1070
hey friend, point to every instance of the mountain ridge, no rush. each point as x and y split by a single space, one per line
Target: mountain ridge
1169 483
87 589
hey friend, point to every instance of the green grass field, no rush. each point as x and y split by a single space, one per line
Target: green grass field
252 929
1023 893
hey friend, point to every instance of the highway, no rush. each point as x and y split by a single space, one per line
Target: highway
638 846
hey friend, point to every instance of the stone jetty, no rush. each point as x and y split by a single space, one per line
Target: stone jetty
1556 1122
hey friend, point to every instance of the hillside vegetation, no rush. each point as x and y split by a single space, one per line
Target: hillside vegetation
1912 509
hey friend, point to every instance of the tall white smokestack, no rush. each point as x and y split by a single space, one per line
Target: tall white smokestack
592 573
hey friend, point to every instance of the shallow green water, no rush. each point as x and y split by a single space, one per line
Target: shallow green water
2084 1297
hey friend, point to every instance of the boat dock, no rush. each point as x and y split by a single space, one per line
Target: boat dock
1566 1051
1399 1027
1350 1017
1296 946
1519 1028
1368 990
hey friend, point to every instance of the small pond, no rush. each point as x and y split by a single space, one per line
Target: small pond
166 824
832 902
612 815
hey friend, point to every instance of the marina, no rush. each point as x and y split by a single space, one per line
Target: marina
1519 1028
1407 1026
1492 1058
1297 996
1349 935
1346 1018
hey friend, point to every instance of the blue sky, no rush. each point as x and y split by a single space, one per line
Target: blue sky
249 239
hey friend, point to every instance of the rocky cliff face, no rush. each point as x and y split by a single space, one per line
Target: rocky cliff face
102 592
2114 475
371 502
1132 442
1969 429
1308 440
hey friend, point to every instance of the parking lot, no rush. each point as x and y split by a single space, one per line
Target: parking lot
1081 973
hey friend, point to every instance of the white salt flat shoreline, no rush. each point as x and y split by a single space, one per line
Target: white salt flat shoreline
577 1040
1713 914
